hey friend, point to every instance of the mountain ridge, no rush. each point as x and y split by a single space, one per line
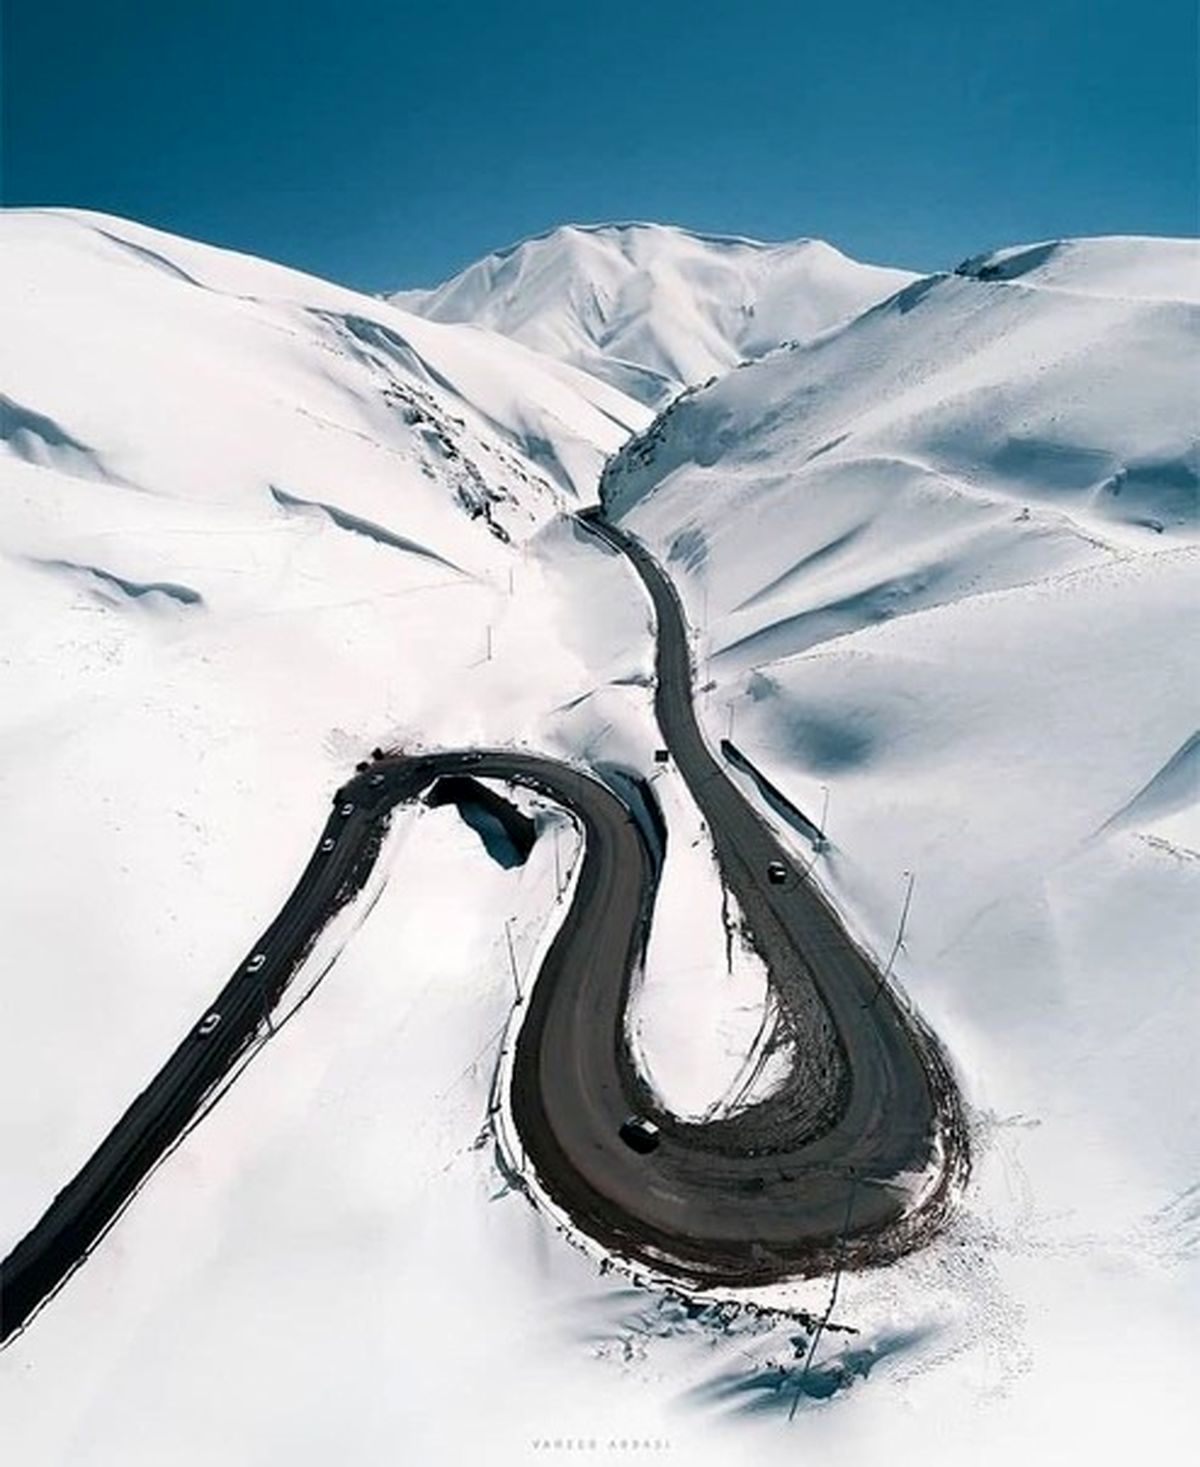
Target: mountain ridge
653 308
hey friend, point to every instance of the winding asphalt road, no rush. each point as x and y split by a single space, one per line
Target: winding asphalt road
870 1103
765 1194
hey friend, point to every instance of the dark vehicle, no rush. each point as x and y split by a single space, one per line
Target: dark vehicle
377 754
661 756
639 1134
776 873
362 766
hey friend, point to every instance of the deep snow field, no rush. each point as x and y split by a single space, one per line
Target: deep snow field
941 565
650 308
944 561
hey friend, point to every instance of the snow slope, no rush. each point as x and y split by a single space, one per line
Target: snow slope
274 357
651 308
252 524
943 564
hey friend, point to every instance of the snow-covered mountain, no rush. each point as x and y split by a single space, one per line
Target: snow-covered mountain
242 507
944 571
940 559
650 308
252 524
280 367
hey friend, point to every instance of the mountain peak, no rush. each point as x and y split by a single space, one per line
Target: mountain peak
652 308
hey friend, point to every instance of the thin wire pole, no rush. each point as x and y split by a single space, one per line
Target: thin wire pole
833 1293
512 957
896 946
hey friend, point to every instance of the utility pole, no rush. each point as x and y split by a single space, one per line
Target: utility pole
820 840
512 957
910 877
833 1293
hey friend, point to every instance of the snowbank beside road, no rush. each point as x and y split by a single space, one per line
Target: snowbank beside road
941 562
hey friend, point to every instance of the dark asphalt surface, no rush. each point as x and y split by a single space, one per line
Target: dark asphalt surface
156 1120
762 1195
748 1199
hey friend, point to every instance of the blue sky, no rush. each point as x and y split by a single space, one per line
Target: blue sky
385 143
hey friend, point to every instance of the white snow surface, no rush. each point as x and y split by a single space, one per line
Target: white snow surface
249 527
243 541
651 308
941 560
278 366
1121 266
701 1022
943 563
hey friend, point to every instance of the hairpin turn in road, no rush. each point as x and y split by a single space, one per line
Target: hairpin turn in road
852 1160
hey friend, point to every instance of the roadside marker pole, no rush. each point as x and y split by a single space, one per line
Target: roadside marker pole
512 957
833 1293
896 946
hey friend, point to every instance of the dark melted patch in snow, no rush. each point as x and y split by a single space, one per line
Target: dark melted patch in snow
508 835
814 558
39 440
826 746
688 549
912 295
885 599
1174 787
344 520
1157 494
184 595
1049 466
1012 267
783 1385
772 794
638 794
153 259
